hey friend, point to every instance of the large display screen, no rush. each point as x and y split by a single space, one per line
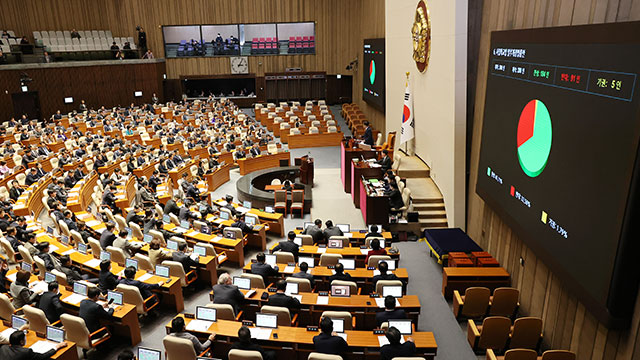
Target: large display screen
373 73
558 152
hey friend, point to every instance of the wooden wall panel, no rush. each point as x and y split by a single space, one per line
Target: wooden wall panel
567 323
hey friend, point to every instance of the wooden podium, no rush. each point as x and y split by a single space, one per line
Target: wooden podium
306 169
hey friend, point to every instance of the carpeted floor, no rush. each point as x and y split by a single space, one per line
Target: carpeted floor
331 202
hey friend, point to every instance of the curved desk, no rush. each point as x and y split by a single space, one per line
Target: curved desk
249 187
262 162
30 202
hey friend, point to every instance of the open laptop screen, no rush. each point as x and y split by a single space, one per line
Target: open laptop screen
267 320
404 326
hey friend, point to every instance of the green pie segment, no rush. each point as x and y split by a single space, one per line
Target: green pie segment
534 147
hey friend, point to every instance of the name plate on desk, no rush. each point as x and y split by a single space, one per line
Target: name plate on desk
247 322
312 328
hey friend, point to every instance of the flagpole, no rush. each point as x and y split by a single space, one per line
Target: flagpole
406 143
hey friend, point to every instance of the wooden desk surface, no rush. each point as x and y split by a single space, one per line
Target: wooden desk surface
69 352
314 140
262 162
323 271
475 271
356 234
353 251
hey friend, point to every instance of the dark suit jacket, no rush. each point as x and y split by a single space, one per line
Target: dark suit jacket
384 316
171 208
388 352
106 239
368 136
288 246
92 313
304 275
395 199
328 344
387 276
264 270
51 305
145 289
386 163
107 281
315 232
284 300
228 294
184 259
18 352
343 276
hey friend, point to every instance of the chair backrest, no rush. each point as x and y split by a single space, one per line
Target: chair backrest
235 230
76 237
136 232
558 355
254 216
345 240
526 333
495 332
329 259
237 354
64 229
320 356
174 219
225 210
272 148
26 255
223 311
211 251
95 247
352 284
76 330
8 249
176 269
40 265
396 162
178 348
306 239
382 283
520 354
284 316
120 221
283 257
297 196
374 259
144 263
6 307
117 255
504 302
344 315
157 235
256 280
37 319
61 278
304 285
131 295
476 301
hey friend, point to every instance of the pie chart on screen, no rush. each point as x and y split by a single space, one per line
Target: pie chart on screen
372 71
534 138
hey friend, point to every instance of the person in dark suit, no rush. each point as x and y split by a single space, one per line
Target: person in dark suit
91 312
229 205
368 134
184 259
32 177
315 231
50 262
375 250
224 292
262 269
16 349
109 198
144 288
395 197
303 274
340 274
385 162
383 267
288 246
132 215
108 237
240 224
390 311
374 232
328 342
244 343
50 303
282 299
107 281
331 230
394 349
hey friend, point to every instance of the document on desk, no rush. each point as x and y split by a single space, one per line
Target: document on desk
7 332
12 277
322 300
364 251
260 333
74 299
289 269
92 223
199 325
68 252
322 250
342 335
40 287
380 302
299 297
42 346
216 239
52 248
92 263
145 277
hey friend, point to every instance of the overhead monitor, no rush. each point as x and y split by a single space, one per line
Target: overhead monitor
137 93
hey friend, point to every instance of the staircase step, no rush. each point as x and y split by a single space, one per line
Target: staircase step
436 200
433 223
413 173
427 206
432 214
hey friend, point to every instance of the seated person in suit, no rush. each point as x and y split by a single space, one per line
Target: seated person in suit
20 292
128 247
395 198
390 312
156 254
262 269
91 312
375 250
50 303
178 330
17 350
144 288
224 292
328 342
107 237
331 230
383 267
340 274
374 232
244 343
303 274
240 224
288 246
282 299
184 259
229 205
107 281
394 349
315 231
385 162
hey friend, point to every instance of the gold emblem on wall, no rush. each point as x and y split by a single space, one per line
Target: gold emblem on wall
421 35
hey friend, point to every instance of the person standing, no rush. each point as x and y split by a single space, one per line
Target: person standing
142 39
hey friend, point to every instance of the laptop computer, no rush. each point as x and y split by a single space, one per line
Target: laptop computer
242 283
172 245
49 277
82 248
391 264
25 266
224 215
105 255
206 313
185 224
55 334
64 239
49 230
338 325
270 259
292 288
392 290
246 204
166 218
297 241
250 220
341 290
344 227
162 270
80 288
118 297
349 264
403 325
17 322
200 250
267 320
147 238
131 262
309 260
149 354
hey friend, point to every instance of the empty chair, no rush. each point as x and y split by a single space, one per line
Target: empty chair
280 200
95 247
8 250
225 312
504 302
131 295
526 333
121 222
283 257
256 280
306 239
382 283
349 320
176 269
297 202
294 131
25 254
304 285
473 304
332 129
284 316
42 269
6 307
327 259
320 356
178 348
513 354
77 332
558 355
492 334
375 259
38 321
352 285
117 255
144 263
237 354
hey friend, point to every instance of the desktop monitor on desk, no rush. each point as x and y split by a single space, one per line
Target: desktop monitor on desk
116 296
309 260
344 227
267 320
131 263
338 325
206 313
341 290
149 354
242 283
392 290
270 259
403 325
55 334
349 264
162 270
80 288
